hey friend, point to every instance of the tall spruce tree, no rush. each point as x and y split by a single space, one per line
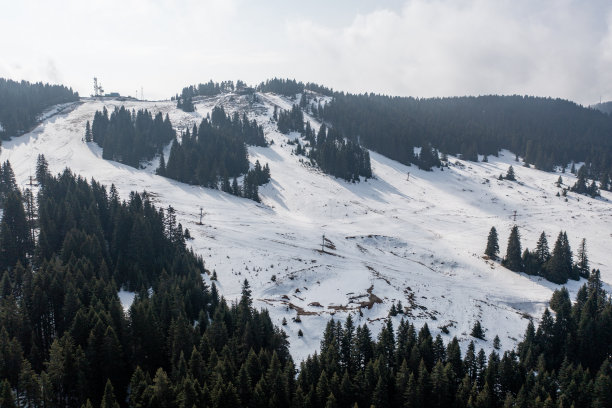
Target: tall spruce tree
88 134
15 237
161 169
42 169
492 249
559 268
510 174
542 253
513 259
583 260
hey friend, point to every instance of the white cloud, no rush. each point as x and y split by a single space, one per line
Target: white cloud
421 48
440 48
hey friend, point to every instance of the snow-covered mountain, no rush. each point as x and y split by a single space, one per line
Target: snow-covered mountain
406 235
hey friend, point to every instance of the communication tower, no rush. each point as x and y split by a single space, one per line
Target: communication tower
98 90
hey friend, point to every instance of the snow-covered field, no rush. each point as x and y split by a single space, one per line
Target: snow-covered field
416 239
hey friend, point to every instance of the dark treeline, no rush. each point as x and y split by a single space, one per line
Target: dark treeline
66 342
215 152
291 87
561 364
290 121
238 126
286 87
22 102
328 149
257 176
335 155
557 266
583 187
185 99
546 132
128 136
210 88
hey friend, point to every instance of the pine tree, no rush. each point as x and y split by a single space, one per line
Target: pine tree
583 260
15 238
477 331
602 389
510 174
246 299
492 244
42 169
559 268
235 187
161 169
496 343
108 399
7 399
88 135
542 253
513 259
580 186
29 385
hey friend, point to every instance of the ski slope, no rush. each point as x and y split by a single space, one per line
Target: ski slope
416 239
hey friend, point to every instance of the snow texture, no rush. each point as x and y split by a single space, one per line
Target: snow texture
417 239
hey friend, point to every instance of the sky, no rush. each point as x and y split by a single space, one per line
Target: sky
420 48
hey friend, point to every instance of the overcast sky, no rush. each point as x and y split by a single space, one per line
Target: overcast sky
419 48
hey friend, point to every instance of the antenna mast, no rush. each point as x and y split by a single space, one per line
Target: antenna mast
98 90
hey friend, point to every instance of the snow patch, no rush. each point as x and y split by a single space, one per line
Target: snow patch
126 298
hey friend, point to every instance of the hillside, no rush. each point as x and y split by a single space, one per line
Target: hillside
605 107
416 239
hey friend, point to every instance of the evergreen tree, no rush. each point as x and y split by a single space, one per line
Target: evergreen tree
108 399
15 238
510 174
42 169
580 186
559 268
161 169
7 399
513 259
428 158
496 342
477 331
542 253
492 244
88 135
583 261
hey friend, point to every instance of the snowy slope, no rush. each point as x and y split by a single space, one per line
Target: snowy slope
417 240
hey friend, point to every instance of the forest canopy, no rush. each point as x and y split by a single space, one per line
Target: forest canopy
21 103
